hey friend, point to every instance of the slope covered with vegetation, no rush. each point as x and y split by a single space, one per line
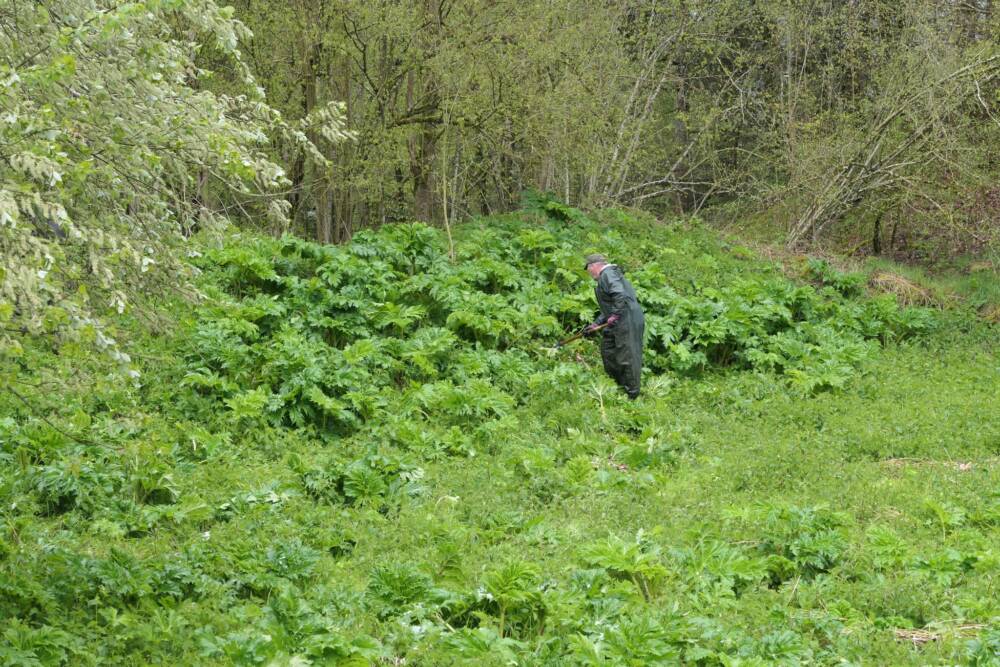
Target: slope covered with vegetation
370 454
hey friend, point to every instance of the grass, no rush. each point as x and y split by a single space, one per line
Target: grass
727 517
876 455
977 285
968 280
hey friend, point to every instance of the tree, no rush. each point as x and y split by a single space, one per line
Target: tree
457 107
113 152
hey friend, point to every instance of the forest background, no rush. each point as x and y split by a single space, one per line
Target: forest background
866 124
867 127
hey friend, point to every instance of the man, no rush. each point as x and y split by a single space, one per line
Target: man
621 347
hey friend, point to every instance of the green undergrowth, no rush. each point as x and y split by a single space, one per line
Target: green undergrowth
371 454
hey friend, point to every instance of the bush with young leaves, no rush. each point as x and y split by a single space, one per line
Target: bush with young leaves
115 150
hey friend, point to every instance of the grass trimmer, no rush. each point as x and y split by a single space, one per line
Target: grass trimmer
578 335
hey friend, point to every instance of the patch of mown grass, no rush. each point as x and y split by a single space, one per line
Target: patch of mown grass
326 464
974 284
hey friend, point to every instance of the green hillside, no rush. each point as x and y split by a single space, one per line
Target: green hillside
370 454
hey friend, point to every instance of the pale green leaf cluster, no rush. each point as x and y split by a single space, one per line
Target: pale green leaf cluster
113 152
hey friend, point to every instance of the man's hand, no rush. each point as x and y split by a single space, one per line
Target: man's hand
590 329
612 320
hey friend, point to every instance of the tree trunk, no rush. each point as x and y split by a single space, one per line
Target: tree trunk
877 235
296 174
323 199
421 173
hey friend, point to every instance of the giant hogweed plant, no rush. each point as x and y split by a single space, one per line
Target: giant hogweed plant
327 336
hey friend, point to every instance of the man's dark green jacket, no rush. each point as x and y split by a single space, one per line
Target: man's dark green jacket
621 348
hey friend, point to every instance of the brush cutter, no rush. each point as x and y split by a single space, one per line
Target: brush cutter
580 334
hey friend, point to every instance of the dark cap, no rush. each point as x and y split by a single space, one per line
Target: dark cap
594 259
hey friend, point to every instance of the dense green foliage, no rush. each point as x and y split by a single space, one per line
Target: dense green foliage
322 332
127 126
368 453
293 453
113 151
